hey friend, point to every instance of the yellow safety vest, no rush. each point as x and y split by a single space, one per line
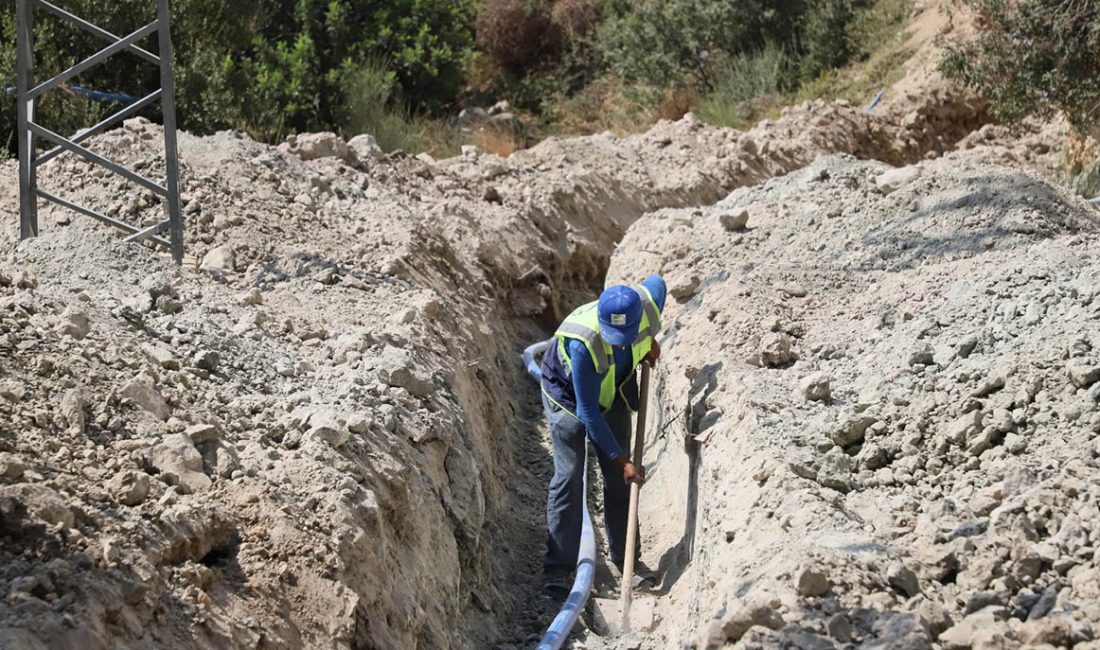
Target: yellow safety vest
584 325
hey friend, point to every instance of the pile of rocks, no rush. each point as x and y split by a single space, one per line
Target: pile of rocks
890 388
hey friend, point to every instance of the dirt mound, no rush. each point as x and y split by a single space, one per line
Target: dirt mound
310 435
880 411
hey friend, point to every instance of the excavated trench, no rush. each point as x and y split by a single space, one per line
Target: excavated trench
434 522
576 271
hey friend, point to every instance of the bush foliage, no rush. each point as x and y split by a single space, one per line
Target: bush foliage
760 75
269 67
391 67
667 42
1034 57
518 33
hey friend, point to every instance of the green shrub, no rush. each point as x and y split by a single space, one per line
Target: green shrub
1033 57
878 26
575 20
282 84
517 33
824 39
1085 180
268 67
666 42
7 78
607 103
741 79
373 104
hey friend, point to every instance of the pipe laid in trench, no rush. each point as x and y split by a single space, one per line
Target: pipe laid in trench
586 559
582 585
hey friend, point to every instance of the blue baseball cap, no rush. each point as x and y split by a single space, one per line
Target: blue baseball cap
620 311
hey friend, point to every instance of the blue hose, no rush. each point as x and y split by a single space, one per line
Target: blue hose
531 353
582 585
876 100
94 95
586 559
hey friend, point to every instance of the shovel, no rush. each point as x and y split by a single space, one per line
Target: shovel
632 514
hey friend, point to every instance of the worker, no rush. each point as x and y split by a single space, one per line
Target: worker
589 385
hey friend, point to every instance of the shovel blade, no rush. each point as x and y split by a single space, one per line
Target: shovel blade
608 616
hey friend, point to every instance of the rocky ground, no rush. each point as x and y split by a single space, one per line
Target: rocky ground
880 411
316 433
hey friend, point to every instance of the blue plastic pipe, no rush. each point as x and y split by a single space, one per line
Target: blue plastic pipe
876 100
574 604
530 358
582 585
94 95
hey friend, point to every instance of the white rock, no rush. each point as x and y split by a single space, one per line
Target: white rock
836 470
129 487
219 259
963 427
179 464
12 390
251 298
1082 373
74 323
285 367
397 368
311 146
206 360
812 582
903 579
365 147
775 349
360 423
734 220
327 427
815 387
145 395
72 412
961 635
683 287
220 457
42 503
893 179
11 466
741 615
203 433
162 356
851 430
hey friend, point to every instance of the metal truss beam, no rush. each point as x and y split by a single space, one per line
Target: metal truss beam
31 131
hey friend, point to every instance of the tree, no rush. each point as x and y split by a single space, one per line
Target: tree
269 67
1033 57
7 78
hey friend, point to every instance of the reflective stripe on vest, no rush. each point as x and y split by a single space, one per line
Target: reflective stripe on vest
584 325
651 315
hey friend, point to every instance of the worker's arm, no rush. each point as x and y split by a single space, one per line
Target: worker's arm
656 286
586 385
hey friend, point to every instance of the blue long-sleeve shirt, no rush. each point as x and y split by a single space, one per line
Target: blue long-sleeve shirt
586 383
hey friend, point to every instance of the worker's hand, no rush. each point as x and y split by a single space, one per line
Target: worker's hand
633 474
653 354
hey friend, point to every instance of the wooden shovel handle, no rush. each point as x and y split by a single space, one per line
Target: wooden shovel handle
632 514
